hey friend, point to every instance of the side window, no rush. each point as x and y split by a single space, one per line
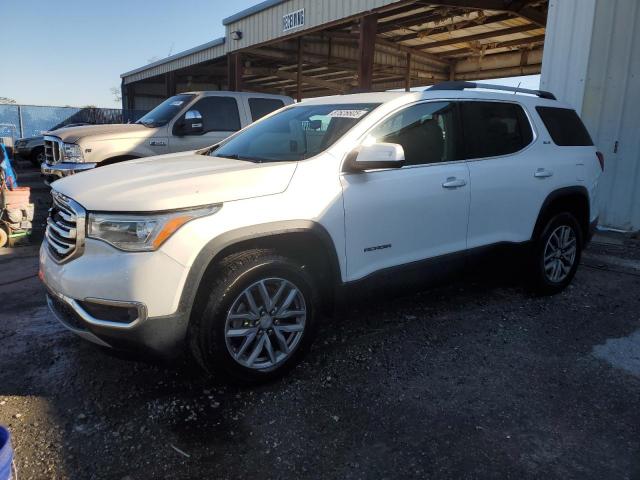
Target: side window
565 127
492 129
427 132
219 114
262 106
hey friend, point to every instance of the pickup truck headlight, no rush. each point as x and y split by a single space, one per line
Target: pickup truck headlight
142 232
72 153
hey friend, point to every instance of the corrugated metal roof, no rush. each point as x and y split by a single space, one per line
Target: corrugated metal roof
251 10
205 46
443 42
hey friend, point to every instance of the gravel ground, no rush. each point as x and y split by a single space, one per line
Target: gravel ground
473 380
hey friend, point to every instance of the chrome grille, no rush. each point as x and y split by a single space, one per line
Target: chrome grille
65 228
52 150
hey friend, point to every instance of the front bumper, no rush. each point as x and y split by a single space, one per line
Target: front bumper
55 171
107 276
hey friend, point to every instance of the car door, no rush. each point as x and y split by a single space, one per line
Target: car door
398 216
510 173
219 116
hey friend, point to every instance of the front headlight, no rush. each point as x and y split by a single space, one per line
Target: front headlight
72 152
142 232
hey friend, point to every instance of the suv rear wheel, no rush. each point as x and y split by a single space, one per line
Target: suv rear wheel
258 320
557 254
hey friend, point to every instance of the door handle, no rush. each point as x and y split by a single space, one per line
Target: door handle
542 173
453 182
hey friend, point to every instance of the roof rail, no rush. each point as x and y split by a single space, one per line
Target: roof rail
460 85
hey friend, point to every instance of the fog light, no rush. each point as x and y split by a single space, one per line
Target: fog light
117 312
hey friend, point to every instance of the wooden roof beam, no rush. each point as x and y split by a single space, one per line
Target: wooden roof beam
284 75
519 7
481 20
419 19
395 49
416 53
492 46
480 36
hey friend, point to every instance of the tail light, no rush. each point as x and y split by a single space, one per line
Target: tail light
600 156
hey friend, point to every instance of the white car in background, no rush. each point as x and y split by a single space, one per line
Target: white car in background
231 252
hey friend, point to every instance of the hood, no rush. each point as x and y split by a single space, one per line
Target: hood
174 181
118 130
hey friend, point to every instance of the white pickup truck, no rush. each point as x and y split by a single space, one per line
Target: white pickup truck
187 121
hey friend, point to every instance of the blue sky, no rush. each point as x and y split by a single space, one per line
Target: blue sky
71 52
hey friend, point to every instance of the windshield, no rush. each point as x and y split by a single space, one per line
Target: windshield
296 133
164 112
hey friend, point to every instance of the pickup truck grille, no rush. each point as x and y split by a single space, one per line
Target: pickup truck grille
52 150
65 228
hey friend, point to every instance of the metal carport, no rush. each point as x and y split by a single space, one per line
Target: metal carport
340 47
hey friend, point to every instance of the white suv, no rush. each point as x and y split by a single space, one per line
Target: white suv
233 250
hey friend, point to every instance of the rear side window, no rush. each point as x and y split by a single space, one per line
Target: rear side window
492 129
219 114
565 127
262 106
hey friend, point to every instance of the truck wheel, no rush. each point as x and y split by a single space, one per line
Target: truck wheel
37 157
557 254
3 236
258 319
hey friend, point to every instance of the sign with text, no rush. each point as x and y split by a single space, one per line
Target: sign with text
293 20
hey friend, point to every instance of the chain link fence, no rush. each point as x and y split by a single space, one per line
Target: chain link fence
19 121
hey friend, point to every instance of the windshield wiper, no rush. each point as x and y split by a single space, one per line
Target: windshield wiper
235 156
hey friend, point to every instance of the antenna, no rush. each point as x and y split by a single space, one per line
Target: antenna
517 88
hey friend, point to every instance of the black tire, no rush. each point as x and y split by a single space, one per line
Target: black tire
542 283
37 157
207 340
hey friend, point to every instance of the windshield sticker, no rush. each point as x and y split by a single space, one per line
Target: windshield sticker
347 113
177 103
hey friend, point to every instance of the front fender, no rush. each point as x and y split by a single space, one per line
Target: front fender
211 251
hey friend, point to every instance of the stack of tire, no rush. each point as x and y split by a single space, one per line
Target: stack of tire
16 214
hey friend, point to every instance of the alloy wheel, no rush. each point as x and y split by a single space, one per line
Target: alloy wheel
265 323
560 253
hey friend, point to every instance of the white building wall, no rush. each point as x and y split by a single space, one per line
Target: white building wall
592 61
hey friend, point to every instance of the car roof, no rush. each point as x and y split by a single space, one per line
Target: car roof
235 94
408 97
370 97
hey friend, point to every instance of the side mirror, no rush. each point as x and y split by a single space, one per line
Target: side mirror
192 123
373 157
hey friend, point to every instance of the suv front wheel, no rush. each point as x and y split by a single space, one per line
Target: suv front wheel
259 317
557 254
